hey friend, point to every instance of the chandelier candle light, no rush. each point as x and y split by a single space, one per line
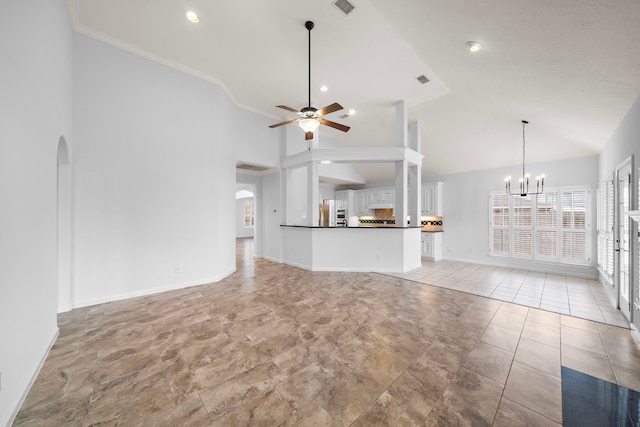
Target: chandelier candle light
524 181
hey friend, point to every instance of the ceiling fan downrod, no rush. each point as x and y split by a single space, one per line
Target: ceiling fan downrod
309 26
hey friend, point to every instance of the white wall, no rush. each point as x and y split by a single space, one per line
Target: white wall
624 142
466 210
241 230
35 111
155 175
270 217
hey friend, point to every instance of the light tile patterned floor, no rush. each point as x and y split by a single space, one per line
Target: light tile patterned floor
557 293
275 345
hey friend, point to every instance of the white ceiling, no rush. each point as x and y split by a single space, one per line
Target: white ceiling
571 68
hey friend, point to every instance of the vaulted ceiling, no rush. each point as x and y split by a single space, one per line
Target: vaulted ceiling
571 68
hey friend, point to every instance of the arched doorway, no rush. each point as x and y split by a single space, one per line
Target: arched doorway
65 297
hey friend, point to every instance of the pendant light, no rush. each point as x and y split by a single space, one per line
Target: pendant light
524 181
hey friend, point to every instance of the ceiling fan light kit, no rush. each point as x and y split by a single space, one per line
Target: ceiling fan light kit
524 181
309 118
474 46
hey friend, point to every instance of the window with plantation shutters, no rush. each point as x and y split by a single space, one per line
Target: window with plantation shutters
552 227
547 225
605 228
522 226
500 235
574 226
610 210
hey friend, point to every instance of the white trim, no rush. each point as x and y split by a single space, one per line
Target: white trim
119 297
573 270
36 371
96 35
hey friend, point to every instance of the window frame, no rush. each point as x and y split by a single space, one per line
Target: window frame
249 213
536 229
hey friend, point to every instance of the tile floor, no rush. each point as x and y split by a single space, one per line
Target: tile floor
558 293
274 345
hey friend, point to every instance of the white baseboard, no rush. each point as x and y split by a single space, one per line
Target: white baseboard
34 375
151 291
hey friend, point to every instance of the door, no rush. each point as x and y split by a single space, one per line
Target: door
623 236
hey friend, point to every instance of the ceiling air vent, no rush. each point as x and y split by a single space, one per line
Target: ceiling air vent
422 79
344 6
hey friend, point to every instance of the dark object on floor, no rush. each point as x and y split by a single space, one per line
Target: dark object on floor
590 401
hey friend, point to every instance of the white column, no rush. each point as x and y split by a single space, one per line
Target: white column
285 190
313 196
400 211
415 175
402 120
401 166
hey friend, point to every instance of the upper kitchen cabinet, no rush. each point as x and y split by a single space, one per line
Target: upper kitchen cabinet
432 199
362 202
381 198
345 199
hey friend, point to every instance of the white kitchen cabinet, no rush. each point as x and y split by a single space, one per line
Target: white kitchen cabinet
362 202
345 199
382 196
431 203
431 246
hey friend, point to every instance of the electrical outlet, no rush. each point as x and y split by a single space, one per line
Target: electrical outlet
177 268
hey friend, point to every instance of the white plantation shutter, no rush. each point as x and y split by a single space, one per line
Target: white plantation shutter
552 227
609 229
605 228
500 233
522 226
547 226
574 226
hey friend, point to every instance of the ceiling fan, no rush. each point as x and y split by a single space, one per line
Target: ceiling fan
309 118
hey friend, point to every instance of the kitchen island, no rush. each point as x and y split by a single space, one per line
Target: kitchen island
363 249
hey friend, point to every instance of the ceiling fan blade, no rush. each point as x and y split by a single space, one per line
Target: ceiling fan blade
284 107
308 136
334 125
329 109
288 122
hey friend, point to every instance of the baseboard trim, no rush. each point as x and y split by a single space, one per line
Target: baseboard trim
151 291
32 380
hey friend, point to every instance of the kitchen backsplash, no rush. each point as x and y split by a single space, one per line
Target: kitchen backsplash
428 223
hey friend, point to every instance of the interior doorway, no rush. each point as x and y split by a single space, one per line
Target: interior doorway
624 175
65 296
246 218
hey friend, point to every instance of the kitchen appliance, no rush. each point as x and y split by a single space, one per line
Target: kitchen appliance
328 213
341 218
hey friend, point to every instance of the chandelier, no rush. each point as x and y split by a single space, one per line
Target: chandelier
524 181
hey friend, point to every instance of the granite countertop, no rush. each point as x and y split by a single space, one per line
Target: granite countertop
390 227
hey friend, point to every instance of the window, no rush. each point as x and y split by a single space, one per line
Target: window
605 228
500 224
249 214
553 226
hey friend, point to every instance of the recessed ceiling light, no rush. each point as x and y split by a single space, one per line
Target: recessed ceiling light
323 88
325 162
474 46
193 17
352 112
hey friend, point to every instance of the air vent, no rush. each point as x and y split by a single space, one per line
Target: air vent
344 6
253 168
422 79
